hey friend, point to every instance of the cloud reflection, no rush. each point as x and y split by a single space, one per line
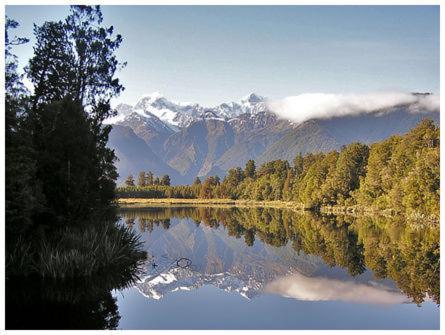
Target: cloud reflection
300 287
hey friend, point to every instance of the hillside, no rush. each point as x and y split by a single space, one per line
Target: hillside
187 140
134 154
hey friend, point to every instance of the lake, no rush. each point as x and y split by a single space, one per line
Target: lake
252 268
234 268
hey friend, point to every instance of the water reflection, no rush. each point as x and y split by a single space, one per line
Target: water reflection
385 260
34 303
305 288
261 267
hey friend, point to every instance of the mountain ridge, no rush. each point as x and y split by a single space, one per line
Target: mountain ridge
187 140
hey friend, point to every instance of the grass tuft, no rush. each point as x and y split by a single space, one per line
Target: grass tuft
87 252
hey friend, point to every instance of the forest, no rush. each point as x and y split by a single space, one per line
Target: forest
60 175
400 174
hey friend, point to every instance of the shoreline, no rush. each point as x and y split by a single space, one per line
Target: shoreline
128 202
290 205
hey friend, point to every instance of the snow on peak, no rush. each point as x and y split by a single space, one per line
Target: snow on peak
252 98
124 109
182 114
153 96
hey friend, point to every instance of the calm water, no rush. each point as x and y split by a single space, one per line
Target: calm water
233 268
276 269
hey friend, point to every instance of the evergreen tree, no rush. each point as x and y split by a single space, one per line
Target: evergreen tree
234 177
76 57
73 70
197 181
22 189
250 169
165 180
208 187
51 69
13 80
149 178
76 169
141 179
130 180
58 163
310 188
350 167
298 164
287 186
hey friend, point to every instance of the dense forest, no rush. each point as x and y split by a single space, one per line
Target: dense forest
389 247
401 174
60 175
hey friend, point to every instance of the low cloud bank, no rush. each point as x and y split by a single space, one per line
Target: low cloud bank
301 287
308 106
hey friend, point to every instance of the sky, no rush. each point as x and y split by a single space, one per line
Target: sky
215 54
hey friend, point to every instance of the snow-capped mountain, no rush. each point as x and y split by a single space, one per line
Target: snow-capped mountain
122 110
250 104
194 140
181 114
139 117
253 104
173 113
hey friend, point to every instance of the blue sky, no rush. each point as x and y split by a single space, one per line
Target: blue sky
212 54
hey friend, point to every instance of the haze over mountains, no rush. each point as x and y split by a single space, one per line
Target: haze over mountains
186 140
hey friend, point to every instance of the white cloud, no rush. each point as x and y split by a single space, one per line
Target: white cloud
308 106
301 287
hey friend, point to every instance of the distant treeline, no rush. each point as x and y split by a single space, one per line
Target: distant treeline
401 173
147 179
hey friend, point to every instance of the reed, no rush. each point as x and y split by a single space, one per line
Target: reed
90 251
75 252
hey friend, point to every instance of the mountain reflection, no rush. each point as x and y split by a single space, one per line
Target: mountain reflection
289 253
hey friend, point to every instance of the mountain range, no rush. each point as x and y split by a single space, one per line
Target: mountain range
185 140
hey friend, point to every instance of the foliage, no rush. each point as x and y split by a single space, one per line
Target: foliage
78 252
390 247
158 191
250 169
165 180
90 251
23 193
130 180
76 171
141 179
76 57
401 174
61 176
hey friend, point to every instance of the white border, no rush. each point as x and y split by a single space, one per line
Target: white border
200 2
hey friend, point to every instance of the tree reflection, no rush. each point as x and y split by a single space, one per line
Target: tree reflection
390 247
33 303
